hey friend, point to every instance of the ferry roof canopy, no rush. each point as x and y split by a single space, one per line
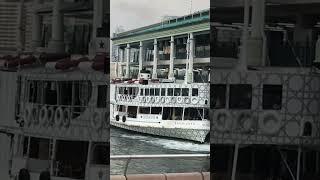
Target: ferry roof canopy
182 21
277 11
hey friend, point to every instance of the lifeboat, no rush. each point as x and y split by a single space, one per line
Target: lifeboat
100 62
49 57
64 64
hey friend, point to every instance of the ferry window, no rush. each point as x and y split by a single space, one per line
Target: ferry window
172 113
163 92
151 92
177 91
170 92
240 96
194 92
206 113
65 93
144 110
25 146
156 110
100 154
193 114
218 96
50 93
185 92
272 97
39 148
141 92
121 108
132 111
33 86
73 156
102 96
147 92
157 92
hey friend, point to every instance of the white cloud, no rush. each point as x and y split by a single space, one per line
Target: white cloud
137 13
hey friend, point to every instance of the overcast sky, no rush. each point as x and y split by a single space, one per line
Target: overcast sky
132 14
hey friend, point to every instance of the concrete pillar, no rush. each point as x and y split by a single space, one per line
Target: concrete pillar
155 59
36 26
56 45
140 56
255 41
127 75
191 58
172 56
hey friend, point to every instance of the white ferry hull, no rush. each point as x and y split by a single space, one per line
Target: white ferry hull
198 135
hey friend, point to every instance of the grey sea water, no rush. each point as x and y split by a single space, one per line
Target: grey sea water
125 142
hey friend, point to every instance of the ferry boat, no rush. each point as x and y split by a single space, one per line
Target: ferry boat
164 89
54 116
265 88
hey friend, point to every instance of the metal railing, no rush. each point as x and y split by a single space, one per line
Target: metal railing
128 158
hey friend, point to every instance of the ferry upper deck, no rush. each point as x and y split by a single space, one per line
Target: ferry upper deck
163 48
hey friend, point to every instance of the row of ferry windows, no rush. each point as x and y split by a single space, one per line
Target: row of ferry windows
240 96
158 91
168 113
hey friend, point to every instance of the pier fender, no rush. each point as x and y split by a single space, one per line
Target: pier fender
245 121
58 116
43 117
124 118
222 120
269 122
117 118
51 116
96 120
27 115
35 115
66 117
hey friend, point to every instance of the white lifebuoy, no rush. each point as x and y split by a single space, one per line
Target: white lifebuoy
96 120
148 99
27 116
179 100
66 117
51 115
157 99
58 116
163 99
194 100
152 99
35 115
245 121
222 120
173 99
269 122
187 100
43 116
168 100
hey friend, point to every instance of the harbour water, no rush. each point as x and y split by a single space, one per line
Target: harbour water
125 142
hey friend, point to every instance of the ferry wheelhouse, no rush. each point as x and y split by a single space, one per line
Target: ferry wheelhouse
265 88
162 83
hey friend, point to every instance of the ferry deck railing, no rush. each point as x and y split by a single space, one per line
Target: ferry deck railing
128 158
